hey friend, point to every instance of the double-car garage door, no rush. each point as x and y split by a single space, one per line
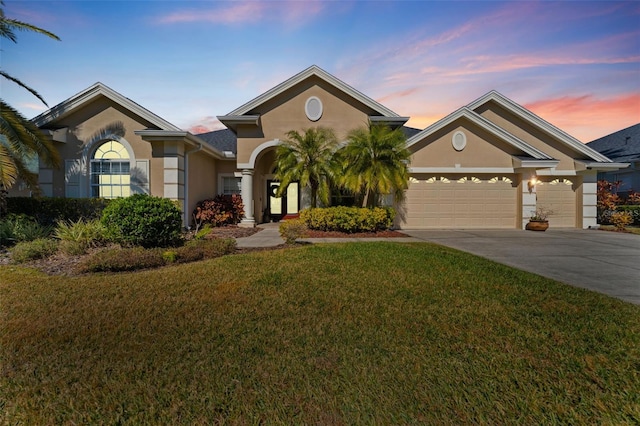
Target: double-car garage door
456 201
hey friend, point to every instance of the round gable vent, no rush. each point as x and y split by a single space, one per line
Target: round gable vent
459 140
313 108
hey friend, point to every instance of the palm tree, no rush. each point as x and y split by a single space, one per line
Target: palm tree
308 157
20 140
375 162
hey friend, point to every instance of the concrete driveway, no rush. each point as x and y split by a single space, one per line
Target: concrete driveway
606 262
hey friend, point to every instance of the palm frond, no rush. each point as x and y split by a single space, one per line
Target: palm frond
24 86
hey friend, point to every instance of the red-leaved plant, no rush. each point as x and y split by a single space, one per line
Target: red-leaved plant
219 211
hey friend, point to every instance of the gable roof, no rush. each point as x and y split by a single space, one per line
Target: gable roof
91 93
483 123
623 145
312 71
538 122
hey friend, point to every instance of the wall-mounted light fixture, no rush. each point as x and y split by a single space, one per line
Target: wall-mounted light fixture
531 184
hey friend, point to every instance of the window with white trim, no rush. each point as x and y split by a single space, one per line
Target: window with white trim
110 171
231 185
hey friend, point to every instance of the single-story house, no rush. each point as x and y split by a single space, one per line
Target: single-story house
622 146
488 164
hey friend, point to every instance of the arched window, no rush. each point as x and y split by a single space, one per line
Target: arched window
110 174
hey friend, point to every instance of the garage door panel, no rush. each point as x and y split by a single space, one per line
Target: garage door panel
461 205
559 196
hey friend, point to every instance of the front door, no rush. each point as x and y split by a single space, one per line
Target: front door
289 203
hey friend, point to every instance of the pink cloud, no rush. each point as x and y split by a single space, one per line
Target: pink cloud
204 125
397 95
292 12
588 117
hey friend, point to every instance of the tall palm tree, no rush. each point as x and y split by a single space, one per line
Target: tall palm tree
20 140
308 157
375 162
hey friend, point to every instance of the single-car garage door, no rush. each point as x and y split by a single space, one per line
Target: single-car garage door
558 195
455 201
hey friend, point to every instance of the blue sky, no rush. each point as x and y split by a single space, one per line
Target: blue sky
576 64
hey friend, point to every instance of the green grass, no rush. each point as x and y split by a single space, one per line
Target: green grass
374 333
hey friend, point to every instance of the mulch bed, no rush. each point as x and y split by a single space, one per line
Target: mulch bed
66 265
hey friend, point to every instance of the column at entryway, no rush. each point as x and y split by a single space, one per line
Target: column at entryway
246 189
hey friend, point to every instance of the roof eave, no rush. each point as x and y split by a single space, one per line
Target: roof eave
539 122
303 75
186 137
70 105
477 119
233 121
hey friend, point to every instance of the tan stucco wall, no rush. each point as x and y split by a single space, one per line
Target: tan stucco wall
531 135
83 124
202 180
482 149
286 112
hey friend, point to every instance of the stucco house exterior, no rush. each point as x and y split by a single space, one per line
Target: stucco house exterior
621 146
485 165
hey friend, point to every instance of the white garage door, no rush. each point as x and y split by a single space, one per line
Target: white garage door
461 202
558 195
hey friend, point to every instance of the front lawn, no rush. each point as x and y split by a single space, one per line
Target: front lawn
351 333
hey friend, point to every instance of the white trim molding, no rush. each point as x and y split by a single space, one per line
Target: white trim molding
312 71
483 123
254 155
538 122
81 99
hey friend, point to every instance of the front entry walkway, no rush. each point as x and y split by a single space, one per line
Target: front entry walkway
606 262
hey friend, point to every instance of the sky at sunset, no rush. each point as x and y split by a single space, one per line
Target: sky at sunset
575 64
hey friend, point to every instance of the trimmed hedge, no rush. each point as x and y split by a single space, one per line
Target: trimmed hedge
47 210
143 220
348 219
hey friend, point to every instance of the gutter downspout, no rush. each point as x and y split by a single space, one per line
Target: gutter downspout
187 216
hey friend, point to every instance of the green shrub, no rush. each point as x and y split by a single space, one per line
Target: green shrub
143 220
291 230
348 219
77 237
49 210
219 211
205 249
202 234
16 228
32 250
122 259
170 256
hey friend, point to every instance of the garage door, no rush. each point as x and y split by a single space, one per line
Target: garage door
558 195
455 201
